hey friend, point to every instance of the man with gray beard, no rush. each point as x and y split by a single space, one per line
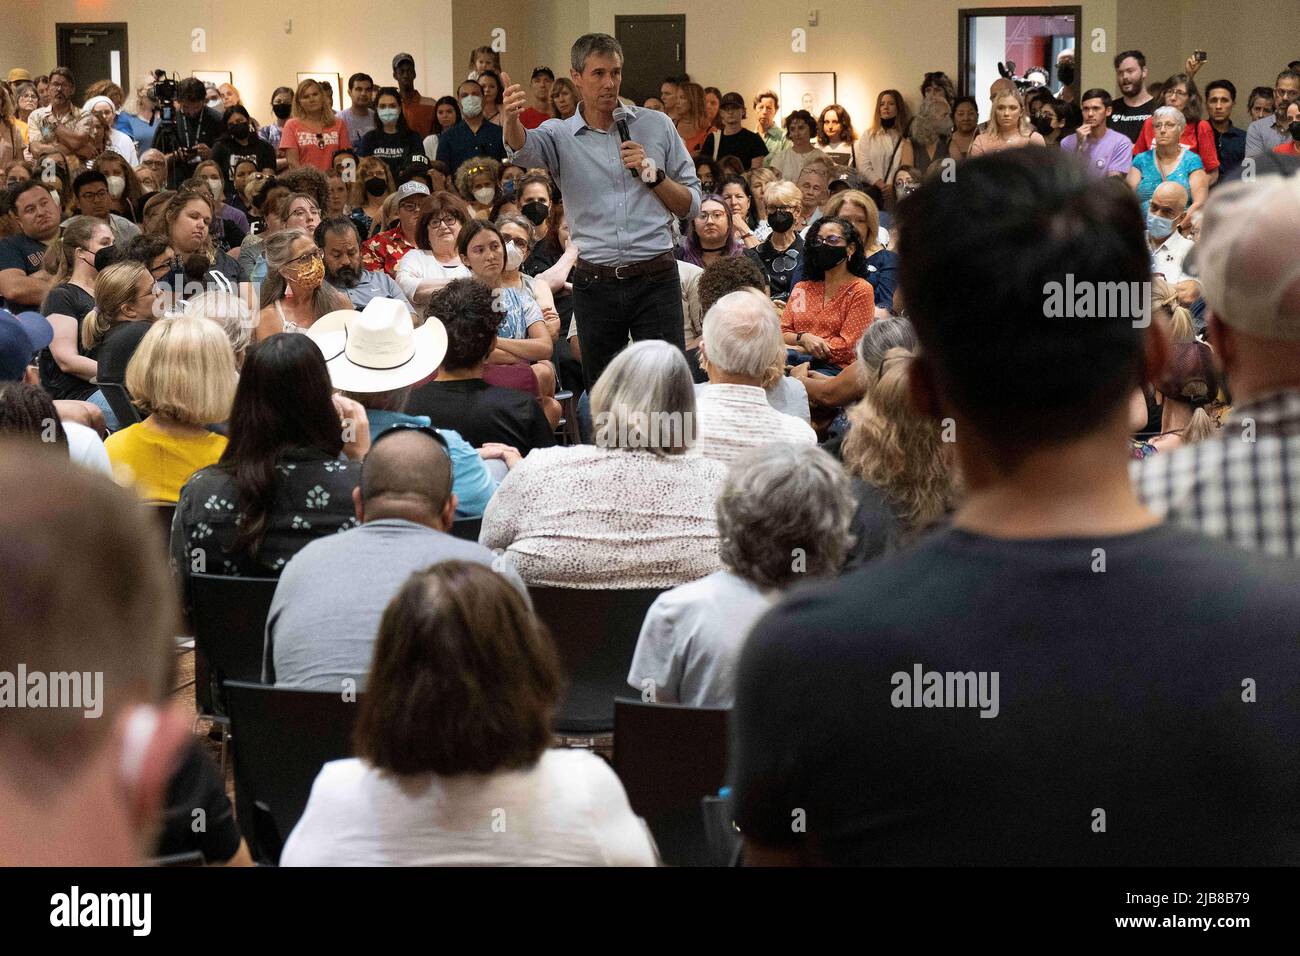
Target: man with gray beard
340 243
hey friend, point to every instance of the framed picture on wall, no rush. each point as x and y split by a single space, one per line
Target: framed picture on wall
333 80
807 91
215 77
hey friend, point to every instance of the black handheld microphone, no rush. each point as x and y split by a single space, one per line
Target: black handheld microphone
620 120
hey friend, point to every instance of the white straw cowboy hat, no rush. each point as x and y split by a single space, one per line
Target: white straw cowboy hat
378 349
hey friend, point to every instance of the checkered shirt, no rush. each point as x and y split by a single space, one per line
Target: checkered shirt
1242 485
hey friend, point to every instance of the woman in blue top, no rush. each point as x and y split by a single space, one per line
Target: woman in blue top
1168 161
521 357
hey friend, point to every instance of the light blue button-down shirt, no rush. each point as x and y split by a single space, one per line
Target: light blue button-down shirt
614 217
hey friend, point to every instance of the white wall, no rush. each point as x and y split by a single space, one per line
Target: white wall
247 38
990 50
739 44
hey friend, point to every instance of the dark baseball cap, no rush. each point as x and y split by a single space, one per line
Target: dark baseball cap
731 101
21 337
403 58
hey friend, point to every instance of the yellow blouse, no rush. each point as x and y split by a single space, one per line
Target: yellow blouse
158 464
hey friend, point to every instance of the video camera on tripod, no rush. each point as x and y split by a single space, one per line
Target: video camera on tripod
166 138
1034 77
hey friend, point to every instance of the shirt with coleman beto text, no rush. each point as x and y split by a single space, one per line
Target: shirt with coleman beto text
1145 714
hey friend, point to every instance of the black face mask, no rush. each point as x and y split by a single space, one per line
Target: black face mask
1043 124
376 185
888 122
239 131
282 110
1294 130
827 257
1065 73
106 256
535 211
781 220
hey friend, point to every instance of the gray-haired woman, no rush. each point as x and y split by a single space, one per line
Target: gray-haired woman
783 517
633 510
295 293
1168 160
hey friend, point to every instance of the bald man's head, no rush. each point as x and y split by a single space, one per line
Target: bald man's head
1171 195
1169 200
407 475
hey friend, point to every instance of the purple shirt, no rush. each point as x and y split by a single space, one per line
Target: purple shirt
1113 153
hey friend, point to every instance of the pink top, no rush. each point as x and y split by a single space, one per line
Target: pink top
314 148
992 142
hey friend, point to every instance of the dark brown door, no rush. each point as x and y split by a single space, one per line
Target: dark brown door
94 51
654 47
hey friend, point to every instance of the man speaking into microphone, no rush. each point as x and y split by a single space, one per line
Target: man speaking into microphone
624 179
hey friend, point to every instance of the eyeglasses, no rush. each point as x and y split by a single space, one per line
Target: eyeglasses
832 241
786 207
306 257
446 221
304 211
1164 124
714 216
95 194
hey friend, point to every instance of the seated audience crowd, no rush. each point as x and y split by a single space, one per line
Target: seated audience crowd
402 358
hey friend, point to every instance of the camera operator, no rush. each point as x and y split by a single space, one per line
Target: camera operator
197 128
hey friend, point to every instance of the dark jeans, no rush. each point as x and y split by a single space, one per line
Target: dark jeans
794 356
611 310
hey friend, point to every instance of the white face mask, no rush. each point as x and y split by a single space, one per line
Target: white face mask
471 105
514 257
218 190
116 185
484 194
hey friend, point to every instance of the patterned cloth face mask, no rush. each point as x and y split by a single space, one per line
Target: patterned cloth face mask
309 274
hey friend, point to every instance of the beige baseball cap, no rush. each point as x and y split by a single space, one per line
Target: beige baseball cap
1246 259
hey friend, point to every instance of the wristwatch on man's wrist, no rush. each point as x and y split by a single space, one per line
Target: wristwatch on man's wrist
660 176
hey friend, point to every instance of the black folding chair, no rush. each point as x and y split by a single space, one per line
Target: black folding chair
567 430
281 739
670 757
467 528
229 617
595 632
119 400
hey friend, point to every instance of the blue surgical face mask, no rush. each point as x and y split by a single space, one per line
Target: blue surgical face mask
1159 226
389 115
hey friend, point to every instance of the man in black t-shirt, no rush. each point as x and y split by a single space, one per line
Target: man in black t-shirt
1057 678
459 399
23 286
734 139
1134 105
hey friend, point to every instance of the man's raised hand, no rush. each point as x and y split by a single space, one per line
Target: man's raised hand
514 99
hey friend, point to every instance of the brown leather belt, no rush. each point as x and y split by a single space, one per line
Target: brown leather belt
664 263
